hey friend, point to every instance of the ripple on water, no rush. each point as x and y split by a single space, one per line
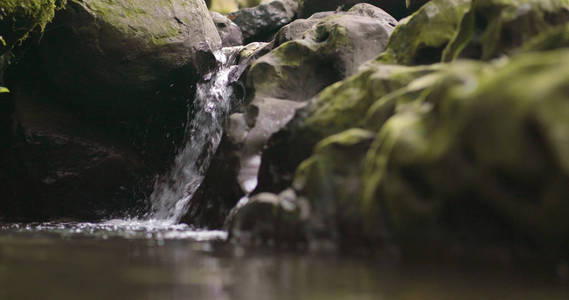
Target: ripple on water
129 229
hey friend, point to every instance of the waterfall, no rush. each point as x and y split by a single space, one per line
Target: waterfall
173 193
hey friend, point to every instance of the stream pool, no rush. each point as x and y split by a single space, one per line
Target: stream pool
139 261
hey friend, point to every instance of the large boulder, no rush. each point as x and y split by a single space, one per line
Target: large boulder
470 160
496 27
260 22
101 105
99 47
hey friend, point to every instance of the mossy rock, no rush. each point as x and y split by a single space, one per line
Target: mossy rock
330 181
482 157
330 50
554 38
496 27
20 17
422 37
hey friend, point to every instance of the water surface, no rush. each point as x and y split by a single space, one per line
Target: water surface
144 261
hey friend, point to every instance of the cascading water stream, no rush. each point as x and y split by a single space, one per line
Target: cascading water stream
173 193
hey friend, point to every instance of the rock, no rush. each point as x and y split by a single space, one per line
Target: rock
331 182
260 22
101 105
337 108
484 35
19 18
472 157
268 219
131 48
554 38
422 37
229 32
333 48
395 8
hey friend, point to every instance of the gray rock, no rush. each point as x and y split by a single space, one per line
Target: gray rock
268 218
260 22
96 46
229 32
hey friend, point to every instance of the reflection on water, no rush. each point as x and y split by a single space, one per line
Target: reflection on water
115 261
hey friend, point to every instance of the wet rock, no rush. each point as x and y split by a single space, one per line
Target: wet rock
260 22
493 27
101 105
229 32
269 219
422 37
211 205
395 8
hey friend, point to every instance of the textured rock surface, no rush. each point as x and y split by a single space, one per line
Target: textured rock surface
101 105
422 37
229 32
466 159
130 47
260 22
268 219
496 27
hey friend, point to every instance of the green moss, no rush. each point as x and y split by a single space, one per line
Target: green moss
20 17
344 104
495 27
554 38
421 37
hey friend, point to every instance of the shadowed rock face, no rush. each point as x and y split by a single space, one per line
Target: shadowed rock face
492 28
101 104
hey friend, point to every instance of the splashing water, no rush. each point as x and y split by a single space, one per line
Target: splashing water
174 192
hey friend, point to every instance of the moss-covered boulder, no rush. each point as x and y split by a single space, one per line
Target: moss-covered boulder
101 46
473 158
18 18
422 37
330 50
331 180
496 27
554 38
101 103
339 107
